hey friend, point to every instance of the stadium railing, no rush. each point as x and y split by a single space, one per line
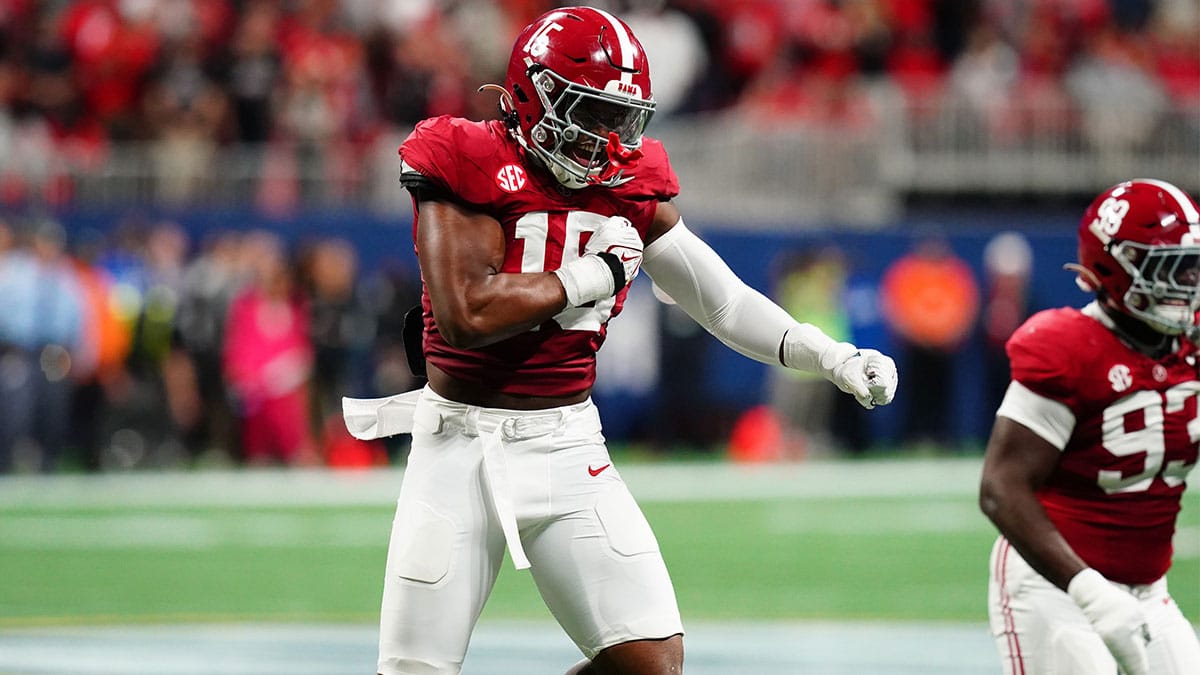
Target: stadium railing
761 172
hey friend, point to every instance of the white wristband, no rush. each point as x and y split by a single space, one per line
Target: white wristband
808 348
586 279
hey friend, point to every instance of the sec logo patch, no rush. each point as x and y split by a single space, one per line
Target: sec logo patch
1120 378
510 178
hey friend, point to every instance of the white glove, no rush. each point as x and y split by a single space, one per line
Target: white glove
611 259
1117 618
618 236
866 374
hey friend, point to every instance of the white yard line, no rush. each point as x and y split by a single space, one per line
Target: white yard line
537 648
250 529
650 482
28 504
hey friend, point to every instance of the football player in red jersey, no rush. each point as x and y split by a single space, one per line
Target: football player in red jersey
1091 447
528 231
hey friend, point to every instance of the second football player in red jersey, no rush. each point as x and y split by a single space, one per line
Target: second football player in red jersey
528 231
1086 465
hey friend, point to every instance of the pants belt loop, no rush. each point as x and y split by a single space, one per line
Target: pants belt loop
471 421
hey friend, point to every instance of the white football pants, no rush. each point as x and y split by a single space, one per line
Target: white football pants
1039 630
541 484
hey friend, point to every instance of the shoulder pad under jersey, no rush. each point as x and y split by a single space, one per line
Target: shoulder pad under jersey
653 177
1045 352
459 156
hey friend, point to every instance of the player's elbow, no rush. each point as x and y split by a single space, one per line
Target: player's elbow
988 503
463 333
459 323
991 497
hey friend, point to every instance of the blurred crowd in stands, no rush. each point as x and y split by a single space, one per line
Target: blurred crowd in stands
147 345
328 79
146 349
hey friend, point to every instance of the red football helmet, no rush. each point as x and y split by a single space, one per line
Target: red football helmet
1139 250
578 79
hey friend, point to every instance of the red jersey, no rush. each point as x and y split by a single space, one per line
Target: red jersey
1116 491
545 226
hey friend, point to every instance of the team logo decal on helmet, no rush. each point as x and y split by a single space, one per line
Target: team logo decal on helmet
577 95
1139 251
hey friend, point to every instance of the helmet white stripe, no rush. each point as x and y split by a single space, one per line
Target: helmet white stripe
623 39
1184 202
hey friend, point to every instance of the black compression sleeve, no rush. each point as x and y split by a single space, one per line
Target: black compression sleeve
424 189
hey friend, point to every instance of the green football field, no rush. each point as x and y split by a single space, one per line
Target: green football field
839 540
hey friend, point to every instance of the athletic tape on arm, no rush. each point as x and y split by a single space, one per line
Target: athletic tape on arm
696 278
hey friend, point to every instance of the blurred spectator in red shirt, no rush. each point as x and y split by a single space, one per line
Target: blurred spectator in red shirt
112 46
268 359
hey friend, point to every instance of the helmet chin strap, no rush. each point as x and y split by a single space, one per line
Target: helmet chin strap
1135 332
1193 335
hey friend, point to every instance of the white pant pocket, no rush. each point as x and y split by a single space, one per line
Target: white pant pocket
624 524
422 544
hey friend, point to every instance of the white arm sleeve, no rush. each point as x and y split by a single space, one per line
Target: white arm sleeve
696 278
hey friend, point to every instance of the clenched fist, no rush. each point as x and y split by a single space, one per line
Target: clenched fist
867 374
611 259
617 237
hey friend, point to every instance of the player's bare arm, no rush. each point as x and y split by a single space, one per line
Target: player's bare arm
1077 492
1016 464
474 304
665 217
